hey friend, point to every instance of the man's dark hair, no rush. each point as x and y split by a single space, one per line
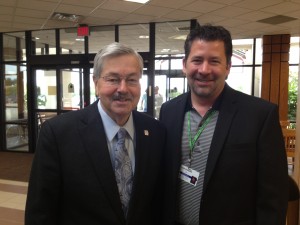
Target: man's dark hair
209 32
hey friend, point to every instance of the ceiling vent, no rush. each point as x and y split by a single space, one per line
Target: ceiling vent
66 17
274 20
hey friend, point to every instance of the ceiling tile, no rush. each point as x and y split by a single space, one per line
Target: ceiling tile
102 13
174 4
228 23
58 24
89 3
122 6
37 5
8 3
153 10
257 4
32 13
6 18
97 21
282 8
203 6
182 14
134 18
209 18
6 10
295 14
28 20
254 26
227 2
230 11
25 26
254 16
71 9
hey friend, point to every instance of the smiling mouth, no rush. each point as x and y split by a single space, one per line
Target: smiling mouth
122 99
203 81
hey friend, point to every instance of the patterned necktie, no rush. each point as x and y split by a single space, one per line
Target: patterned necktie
123 170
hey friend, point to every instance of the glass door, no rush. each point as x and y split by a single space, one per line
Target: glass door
16 119
57 90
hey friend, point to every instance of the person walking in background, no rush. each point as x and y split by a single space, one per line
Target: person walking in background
144 101
226 159
158 100
102 164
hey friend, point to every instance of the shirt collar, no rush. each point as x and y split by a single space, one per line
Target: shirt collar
110 126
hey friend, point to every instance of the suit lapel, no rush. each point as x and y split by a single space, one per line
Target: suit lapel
95 143
175 121
227 112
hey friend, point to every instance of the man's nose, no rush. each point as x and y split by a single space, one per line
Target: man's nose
122 85
204 68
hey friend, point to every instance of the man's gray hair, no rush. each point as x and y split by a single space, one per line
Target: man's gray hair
113 50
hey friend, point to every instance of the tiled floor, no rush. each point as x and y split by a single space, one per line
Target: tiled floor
12 202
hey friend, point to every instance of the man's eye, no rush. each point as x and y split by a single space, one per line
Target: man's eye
131 80
197 61
215 61
112 80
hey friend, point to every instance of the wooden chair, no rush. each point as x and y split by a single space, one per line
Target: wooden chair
284 124
289 136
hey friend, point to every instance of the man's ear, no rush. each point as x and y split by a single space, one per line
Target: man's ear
95 85
184 65
228 67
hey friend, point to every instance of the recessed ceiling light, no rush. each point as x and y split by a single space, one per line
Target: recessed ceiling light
178 37
165 50
143 36
138 1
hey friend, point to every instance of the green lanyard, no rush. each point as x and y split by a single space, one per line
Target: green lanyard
192 141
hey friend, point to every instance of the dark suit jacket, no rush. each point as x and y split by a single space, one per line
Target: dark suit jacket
246 179
72 181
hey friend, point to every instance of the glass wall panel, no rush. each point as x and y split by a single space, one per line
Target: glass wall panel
177 86
100 36
159 93
293 92
72 89
16 107
242 52
14 46
170 37
46 89
294 50
142 105
45 43
70 43
136 36
257 81
240 78
15 91
258 51
93 96
176 64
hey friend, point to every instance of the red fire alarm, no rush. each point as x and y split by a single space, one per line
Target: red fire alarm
83 31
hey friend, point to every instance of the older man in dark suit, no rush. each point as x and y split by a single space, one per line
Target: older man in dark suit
226 159
102 164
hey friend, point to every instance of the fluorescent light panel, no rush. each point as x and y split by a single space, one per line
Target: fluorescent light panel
138 1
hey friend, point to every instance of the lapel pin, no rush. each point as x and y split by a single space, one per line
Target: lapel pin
146 132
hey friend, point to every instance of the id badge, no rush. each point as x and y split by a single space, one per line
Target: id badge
188 175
